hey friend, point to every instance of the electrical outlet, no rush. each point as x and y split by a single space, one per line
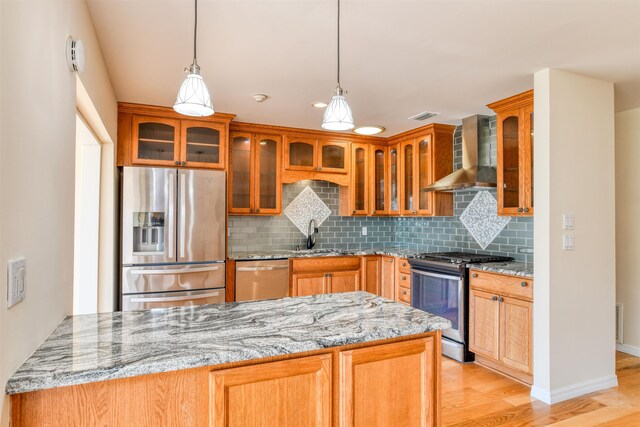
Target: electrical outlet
16 280
364 231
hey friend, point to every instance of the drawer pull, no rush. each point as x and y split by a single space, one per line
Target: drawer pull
523 284
404 263
474 275
404 292
404 277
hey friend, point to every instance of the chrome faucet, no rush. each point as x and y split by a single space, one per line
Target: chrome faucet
311 233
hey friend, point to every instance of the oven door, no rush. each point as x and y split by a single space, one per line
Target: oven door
443 295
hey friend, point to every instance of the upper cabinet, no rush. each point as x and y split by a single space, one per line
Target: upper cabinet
514 117
254 174
424 157
158 136
313 155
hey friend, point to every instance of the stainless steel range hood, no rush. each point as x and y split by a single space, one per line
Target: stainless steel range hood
476 168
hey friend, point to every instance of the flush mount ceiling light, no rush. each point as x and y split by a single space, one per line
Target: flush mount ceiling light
319 104
369 130
193 97
338 115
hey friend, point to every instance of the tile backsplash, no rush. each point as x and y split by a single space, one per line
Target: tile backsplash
252 233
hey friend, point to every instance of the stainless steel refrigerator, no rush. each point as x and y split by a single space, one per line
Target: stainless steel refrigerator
173 237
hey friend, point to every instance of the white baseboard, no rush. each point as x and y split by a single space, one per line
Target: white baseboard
575 390
629 349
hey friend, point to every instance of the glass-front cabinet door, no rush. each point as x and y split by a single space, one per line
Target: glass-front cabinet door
240 182
202 144
528 160
425 173
393 179
155 141
333 156
407 187
359 179
378 175
300 154
509 156
267 177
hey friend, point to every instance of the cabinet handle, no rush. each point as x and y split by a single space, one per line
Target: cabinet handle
526 209
474 275
494 298
354 212
519 209
177 162
389 260
404 292
404 277
500 299
184 163
257 210
523 284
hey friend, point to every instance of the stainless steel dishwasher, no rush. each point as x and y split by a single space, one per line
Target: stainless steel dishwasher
256 280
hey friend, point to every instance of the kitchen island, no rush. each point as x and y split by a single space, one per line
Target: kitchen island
335 359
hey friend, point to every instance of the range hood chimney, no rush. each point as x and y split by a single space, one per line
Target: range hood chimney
476 168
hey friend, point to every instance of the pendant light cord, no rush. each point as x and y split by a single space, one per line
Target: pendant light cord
195 33
338 42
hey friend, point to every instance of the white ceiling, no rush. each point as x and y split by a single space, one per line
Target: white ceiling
399 58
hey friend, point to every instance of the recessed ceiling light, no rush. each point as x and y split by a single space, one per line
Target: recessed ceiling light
369 130
319 104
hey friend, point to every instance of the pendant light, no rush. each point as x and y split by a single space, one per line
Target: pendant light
338 115
193 97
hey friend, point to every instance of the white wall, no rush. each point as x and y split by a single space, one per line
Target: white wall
574 291
628 225
86 221
38 109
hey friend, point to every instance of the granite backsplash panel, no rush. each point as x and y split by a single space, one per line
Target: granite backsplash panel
253 233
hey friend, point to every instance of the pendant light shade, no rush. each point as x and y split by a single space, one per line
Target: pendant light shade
193 97
338 115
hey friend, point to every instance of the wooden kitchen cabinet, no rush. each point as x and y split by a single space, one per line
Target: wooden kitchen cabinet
426 155
312 276
312 154
292 393
501 323
374 389
158 136
403 281
514 118
254 183
387 276
371 277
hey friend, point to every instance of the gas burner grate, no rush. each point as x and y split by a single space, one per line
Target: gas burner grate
462 257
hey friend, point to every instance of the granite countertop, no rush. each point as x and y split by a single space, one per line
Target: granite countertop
283 254
98 347
514 268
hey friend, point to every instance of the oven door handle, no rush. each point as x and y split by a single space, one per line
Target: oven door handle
439 276
173 299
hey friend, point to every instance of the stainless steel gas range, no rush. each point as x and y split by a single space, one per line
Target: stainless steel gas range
440 285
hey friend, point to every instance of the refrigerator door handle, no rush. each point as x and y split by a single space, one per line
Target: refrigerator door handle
175 271
183 213
171 202
172 299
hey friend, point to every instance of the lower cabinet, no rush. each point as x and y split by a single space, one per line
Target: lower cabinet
403 281
390 385
377 384
371 274
312 276
387 277
290 393
500 323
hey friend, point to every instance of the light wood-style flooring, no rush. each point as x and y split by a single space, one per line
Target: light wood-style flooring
476 396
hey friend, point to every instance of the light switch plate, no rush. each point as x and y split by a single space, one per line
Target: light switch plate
16 280
568 242
568 222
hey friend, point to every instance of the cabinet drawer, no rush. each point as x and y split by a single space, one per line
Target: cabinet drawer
404 295
403 266
519 287
404 280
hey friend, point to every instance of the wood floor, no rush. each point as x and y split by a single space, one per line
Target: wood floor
475 396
